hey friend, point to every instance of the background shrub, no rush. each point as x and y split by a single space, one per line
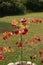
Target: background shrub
8 7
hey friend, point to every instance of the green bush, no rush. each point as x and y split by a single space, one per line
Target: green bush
20 8
8 7
5 7
12 8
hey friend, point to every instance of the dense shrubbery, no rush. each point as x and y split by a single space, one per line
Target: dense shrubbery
34 5
19 6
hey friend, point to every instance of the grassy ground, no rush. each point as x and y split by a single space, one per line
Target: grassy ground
35 29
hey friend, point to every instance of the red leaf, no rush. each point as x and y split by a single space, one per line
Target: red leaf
31 57
16 31
20 45
1 56
4 37
41 59
34 57
1 49
10 34
23 20
36 38
17 42
36 20
24 31
40 53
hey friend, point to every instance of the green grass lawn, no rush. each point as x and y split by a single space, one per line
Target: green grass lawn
35 29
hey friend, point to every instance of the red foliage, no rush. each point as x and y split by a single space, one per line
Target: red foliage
36 39
20 45
40 53
36 20
33 57
26 41
17 42
16 31
23 20
2 57
10 34
4 37
41 59
24 31
1 49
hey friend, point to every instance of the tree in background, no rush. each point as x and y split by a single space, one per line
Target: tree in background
19 6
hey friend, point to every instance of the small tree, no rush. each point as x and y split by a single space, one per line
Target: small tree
21 28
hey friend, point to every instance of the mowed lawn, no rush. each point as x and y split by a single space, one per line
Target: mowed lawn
34 30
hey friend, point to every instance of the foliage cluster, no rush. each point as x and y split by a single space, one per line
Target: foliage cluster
20 6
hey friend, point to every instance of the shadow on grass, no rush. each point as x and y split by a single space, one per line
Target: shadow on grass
1 16
5 26
4 15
